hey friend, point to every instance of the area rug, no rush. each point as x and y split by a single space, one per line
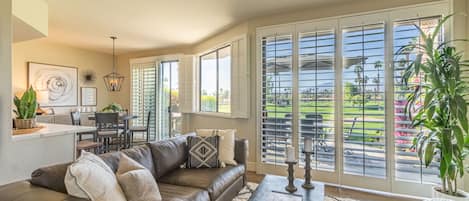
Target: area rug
247 191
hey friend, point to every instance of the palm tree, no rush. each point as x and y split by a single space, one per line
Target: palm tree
358 70
378 66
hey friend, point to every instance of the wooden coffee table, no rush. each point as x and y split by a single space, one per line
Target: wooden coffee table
276 185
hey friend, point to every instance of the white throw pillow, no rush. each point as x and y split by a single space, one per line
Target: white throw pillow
227 144
90 178
136 181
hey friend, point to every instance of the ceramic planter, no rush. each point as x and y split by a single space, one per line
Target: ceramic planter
439 196
25 123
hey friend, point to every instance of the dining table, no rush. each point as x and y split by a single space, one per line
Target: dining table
125 119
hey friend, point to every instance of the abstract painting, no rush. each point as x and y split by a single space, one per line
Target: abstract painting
58 83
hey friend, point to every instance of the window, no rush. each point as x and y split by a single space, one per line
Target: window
316 96
408 165
215 81
277 100
144 95
363 105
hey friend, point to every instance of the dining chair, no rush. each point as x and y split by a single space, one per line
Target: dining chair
141 129
109 133
85 144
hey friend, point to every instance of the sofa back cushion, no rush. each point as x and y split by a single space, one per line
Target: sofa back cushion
169 154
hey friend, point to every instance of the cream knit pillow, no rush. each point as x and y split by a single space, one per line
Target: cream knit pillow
227 144
90 178
136 181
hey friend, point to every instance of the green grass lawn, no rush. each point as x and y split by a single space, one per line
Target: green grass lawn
373 111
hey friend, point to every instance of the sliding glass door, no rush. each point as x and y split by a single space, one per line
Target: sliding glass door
170 117
155 92
339 82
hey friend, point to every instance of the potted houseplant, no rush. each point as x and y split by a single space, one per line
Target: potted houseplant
113 107
25 111
438 105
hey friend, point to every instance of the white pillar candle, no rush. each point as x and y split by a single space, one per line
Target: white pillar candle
308 145
291 154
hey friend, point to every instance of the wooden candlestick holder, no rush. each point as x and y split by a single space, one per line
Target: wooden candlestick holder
291 177
308 184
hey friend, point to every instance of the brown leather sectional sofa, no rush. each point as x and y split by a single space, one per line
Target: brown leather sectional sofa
164 159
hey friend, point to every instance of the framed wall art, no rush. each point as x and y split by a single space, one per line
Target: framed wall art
58 83
89 96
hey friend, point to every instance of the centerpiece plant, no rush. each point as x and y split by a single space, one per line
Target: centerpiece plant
438 105
113 107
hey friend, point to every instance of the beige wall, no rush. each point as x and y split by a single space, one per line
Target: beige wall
247 127
42 51
19 158
30 23
7 162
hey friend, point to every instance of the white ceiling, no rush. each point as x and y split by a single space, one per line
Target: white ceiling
151 24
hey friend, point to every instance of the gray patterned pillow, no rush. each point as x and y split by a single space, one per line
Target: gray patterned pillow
203 152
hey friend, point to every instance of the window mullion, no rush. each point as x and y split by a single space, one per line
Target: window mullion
218 82
339 105
389 96
295 97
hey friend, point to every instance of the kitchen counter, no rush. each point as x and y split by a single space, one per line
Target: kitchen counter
51 130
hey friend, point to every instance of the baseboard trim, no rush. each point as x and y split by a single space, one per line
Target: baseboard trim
376 192
251 166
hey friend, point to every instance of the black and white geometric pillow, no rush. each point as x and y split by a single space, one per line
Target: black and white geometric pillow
203 152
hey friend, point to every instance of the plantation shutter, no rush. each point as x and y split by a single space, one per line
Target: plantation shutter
363 106
316 88
144 95
407 163
276 120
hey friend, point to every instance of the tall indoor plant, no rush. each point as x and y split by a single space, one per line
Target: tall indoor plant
25 111
438 105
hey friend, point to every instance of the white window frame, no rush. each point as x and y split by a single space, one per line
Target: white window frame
389 16
240 91
185 65
199 62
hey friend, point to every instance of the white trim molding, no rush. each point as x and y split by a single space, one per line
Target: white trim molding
240 81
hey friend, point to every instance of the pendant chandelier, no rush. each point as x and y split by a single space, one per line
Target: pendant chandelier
113 80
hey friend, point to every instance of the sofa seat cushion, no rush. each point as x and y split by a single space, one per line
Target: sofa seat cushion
25 191
214 180
171 192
